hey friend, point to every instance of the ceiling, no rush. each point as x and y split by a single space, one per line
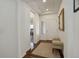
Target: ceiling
40 7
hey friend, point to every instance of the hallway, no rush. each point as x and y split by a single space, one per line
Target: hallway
50 28
44 23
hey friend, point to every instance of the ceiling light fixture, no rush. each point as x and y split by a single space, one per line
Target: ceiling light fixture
44 1
47 9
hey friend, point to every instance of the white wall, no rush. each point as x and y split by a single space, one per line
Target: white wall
24 22
51 26
15 28
61 33
76 40
8 29
68 35
71 30
73 49
23 28
36 22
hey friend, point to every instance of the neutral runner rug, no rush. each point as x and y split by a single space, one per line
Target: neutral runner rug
45 50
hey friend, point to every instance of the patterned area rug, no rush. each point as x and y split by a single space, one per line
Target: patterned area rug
45 49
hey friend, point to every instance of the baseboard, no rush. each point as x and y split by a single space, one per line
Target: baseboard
27 53
24 55
36 46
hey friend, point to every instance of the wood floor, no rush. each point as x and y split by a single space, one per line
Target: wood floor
30 55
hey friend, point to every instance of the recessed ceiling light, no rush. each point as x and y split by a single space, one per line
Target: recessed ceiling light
44 1
47 9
